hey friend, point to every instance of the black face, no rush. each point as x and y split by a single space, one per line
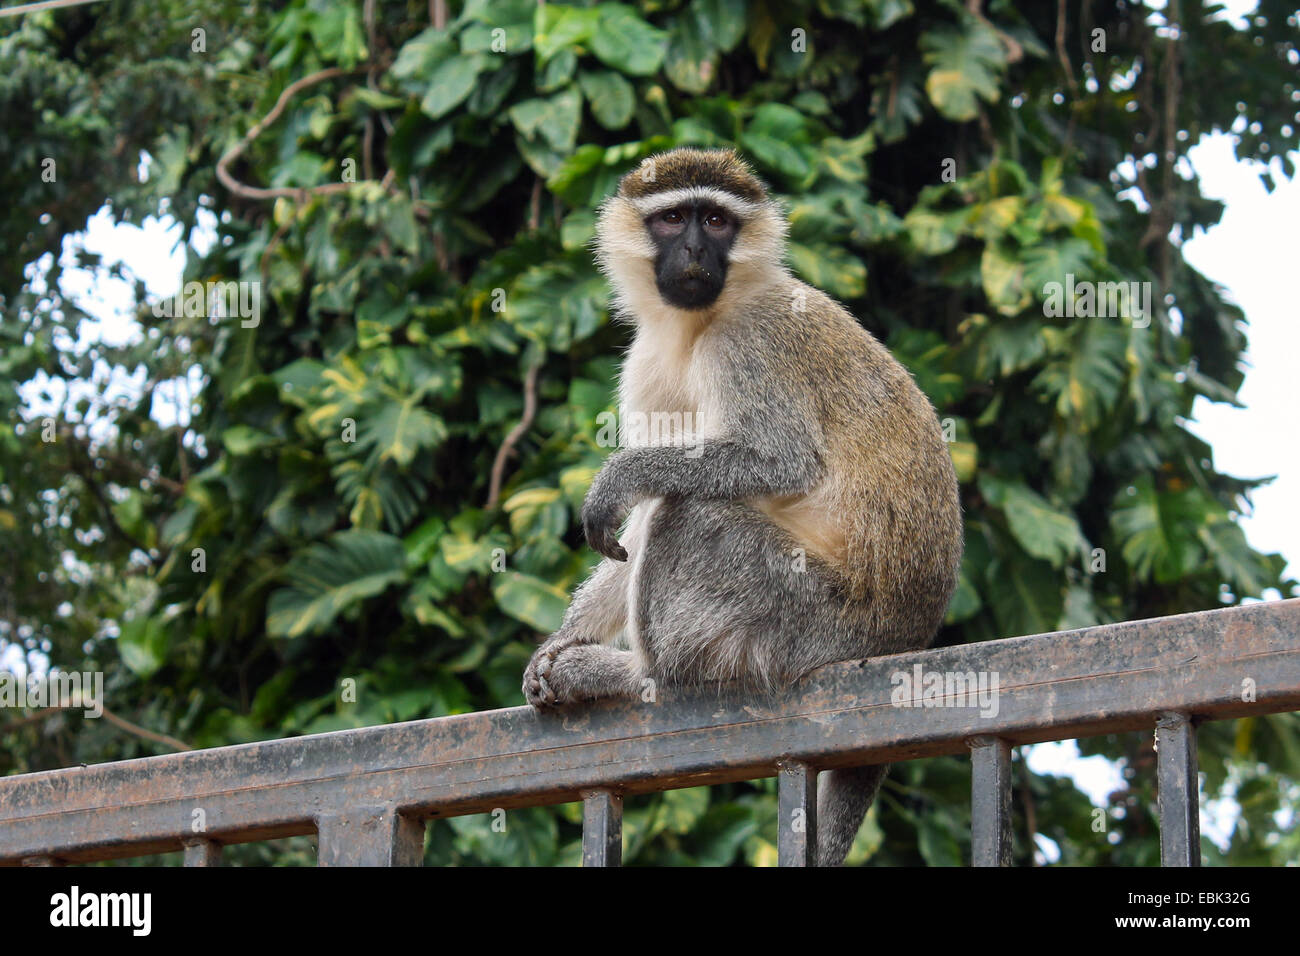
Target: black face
693 241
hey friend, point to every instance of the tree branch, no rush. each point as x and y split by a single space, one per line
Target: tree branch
253 192
112 718
516 433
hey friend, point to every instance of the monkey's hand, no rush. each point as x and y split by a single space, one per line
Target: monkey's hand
603 511
537 675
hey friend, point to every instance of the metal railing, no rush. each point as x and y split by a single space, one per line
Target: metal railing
367 793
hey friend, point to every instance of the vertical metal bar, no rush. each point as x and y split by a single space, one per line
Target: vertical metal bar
602 828
369 836
1180 805
202 853
796 840
990 801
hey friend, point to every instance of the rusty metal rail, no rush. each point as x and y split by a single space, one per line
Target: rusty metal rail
367 793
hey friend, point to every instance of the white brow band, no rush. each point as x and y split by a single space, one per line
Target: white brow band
658 202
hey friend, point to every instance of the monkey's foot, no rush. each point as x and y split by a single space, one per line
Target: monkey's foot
539 675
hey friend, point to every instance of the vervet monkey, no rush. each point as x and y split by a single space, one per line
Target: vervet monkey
802 508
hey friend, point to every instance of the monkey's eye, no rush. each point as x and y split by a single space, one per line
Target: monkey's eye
673 216
715 220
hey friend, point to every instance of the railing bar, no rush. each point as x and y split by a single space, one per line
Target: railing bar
1179 796
1106 679
990 801
369 836
797 807
602 828
202 853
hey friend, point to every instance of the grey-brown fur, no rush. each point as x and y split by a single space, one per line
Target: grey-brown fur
682 168
815 519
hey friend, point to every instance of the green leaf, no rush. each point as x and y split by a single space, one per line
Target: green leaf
778 137
936 844
1006 346
1087 379
726 20
831 269
1239 565
575 177
491 90
244 440
721 832
578 229
966 601
421 54
1052 262
1043 531
622 40
536 512
1026 595
1160 529
885 13
933 233
555 119
378 100
452 80
1003 277
682 809
966 66
327 579
965 459
560 27
612 98
398 431
692 57
142 645
525 598
502 27
558 71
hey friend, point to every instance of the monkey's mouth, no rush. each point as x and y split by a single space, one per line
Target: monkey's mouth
692 286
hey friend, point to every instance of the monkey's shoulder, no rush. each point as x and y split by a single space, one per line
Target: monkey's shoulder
799 325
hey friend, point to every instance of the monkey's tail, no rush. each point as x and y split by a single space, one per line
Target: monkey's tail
843 797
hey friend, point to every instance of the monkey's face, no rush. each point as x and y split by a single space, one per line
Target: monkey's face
692 242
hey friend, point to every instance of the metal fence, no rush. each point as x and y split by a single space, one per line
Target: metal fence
368 793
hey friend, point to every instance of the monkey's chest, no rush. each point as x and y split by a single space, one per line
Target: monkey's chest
667 396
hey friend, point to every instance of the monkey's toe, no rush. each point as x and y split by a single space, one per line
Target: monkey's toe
538 693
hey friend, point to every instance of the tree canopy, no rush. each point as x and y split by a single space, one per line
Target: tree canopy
368 511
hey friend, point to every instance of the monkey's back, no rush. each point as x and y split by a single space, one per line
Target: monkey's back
887 516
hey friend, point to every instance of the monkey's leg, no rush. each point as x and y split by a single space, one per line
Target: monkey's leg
725 594
588 672
596 614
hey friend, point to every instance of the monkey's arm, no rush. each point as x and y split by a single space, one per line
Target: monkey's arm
770 446
598 610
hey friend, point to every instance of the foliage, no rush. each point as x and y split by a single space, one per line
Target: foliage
336 464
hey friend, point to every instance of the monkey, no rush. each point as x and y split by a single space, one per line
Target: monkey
800 508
